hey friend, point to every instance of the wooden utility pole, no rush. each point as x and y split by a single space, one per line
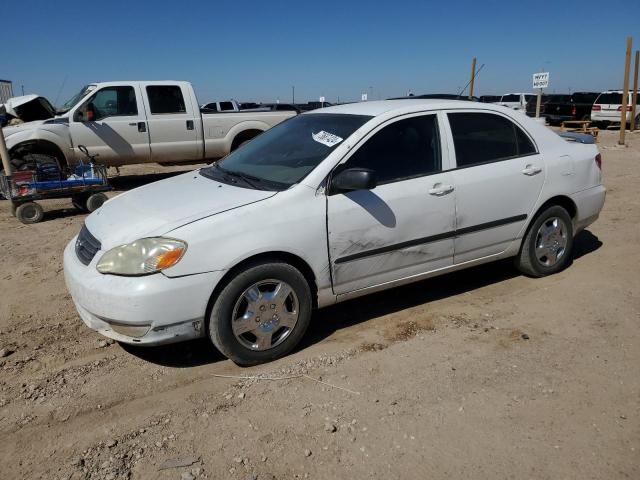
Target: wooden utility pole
473 77
625 93
634 95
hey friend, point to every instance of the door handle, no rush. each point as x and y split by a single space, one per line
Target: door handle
438 189
531 170
142 127
189 124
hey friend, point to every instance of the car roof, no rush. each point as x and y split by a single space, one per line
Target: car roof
380 107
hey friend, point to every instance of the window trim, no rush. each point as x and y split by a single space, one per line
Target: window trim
405 116
497 160
93 95
146 92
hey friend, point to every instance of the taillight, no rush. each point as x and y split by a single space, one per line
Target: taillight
573 110
628 108
596 108
598 160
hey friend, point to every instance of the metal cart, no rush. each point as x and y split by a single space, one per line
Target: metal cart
85 184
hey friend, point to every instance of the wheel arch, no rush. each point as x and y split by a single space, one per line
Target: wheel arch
39 146
244 136
275 256
561 200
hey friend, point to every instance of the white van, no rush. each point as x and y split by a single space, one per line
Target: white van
516 101
608 108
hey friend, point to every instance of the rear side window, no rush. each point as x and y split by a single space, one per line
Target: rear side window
511 98
226 106
165 99
609 98
484 137
405 149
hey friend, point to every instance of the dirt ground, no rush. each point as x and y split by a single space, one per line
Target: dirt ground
482 374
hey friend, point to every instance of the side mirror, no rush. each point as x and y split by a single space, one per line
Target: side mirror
354 179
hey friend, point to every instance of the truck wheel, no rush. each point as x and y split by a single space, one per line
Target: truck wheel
261 314
546 248
80 201
95 201
29 212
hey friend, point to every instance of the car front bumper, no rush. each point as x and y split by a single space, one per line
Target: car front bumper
146 310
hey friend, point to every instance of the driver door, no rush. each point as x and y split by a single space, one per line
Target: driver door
112 124
403 227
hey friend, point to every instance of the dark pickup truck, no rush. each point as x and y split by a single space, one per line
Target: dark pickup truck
557 108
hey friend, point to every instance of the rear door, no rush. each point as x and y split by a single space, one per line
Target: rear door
498 177
173 123
404 226
111 124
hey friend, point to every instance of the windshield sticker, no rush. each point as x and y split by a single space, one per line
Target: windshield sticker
326 138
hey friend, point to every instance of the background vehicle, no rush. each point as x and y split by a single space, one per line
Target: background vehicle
490 98
233 106
516 101
607 108
326 207
558 107
441 96
136 122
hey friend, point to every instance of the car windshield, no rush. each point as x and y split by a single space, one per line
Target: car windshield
286 153
66 106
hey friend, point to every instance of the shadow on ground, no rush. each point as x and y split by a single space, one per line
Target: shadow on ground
327 321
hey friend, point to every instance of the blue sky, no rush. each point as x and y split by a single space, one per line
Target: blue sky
256 50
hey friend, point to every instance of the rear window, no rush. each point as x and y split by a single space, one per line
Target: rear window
583 97
165 99
511 98
226 106
610 98
559 98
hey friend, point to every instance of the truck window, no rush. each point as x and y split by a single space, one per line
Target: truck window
165 99
113 101
226 106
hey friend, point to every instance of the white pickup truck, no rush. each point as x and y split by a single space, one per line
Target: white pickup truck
135 122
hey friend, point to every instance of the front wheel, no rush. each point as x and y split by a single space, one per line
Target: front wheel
547 246
261 314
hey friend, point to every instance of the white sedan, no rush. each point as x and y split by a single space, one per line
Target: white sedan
329 205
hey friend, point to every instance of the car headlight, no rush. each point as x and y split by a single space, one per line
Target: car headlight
142 257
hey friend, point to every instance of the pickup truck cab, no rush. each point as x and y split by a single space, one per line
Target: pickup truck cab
516 101
136 122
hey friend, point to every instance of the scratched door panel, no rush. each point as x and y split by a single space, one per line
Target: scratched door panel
394 231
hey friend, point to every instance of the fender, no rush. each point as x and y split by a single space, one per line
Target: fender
242 127
57 134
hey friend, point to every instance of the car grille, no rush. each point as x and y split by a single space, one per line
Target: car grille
86 246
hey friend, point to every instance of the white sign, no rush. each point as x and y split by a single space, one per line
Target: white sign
364 97
541 80
321 99
326 138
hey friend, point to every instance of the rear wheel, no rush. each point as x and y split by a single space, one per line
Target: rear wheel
546 248
29 212
95 201
261 314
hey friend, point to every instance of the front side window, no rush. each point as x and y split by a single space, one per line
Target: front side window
111 102
286 153
165 99
485 137
405 149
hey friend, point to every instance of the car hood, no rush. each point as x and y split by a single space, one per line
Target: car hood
30 107
160 207
20 127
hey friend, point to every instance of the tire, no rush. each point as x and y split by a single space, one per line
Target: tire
29 212
95 201
553 229
80 202
251 348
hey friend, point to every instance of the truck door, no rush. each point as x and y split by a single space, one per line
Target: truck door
174 123
111 124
